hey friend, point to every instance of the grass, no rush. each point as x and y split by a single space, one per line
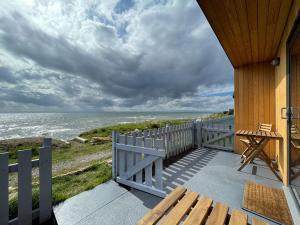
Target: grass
78 150
124 128
64 187
61 153
218 115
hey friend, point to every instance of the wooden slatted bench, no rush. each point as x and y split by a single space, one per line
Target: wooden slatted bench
188 208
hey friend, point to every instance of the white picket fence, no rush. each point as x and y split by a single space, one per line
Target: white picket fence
24 169
179 139
138 156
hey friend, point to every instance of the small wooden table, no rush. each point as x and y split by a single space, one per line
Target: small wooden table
258 140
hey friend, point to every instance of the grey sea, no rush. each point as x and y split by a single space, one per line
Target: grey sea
68 125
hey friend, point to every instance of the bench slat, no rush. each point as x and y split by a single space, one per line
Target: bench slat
238 218
199 212
218 215
156 213
180 210
256 221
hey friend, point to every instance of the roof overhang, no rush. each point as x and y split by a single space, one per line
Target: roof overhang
248 30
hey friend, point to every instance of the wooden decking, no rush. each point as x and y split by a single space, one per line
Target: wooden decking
189 208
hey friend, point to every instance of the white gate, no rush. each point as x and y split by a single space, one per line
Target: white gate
217 134
138 162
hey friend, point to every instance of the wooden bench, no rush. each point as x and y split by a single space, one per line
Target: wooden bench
188 208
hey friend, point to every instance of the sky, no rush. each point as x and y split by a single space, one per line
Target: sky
110 55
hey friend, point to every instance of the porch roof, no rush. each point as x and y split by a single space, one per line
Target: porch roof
248 30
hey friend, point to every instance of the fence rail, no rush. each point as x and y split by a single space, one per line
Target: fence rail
138 156
24 170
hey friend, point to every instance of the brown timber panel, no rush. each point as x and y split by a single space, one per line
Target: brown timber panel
254 100
238 218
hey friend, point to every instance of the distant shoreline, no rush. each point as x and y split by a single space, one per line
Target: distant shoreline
38 139
67 126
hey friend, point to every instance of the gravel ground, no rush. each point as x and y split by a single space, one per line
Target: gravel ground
66 166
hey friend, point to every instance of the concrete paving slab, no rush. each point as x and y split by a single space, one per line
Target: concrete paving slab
128 209
80 206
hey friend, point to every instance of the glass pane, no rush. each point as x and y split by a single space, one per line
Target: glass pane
295 127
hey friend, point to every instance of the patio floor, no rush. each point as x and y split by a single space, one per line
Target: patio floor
208 172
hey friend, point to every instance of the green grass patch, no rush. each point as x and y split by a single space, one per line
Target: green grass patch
124 128
64 187
61 153
78 150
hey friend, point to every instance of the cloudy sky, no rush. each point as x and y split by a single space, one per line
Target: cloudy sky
94 55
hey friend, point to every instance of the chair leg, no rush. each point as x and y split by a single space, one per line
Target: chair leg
256 150
249 158
244 152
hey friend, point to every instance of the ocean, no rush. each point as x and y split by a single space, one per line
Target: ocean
68 125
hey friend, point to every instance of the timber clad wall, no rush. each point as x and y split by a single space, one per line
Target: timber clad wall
254 90
281 91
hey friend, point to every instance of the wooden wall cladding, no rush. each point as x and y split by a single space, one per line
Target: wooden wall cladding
254 90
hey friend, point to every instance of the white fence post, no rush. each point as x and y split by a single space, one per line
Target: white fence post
114 156
122 156
168 139
199 133
25 187
148 169
194 134
159 167
130 155
4 209
45 175
139 157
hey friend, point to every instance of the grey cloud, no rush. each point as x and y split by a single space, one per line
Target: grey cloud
96 102
6 76
172 62
35 98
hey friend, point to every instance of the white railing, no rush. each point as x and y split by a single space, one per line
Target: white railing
138 156
24 169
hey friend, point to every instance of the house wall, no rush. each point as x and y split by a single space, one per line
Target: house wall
254 97
261 93
281 92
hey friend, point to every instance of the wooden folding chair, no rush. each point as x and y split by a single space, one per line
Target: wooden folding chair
262 127
296 147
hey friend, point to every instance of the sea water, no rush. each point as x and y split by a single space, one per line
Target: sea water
68 125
